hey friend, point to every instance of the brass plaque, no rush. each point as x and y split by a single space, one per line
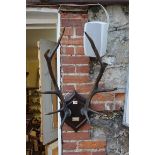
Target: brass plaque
75 102
75 119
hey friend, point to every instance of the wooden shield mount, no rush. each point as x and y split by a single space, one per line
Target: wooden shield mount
75 102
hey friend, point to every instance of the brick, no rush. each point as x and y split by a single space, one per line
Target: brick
66 128
77 153
67 50
79 50
69 22
120 96
82 69
75 79
73 15
29 1
99 153
97 106
83 128
92 144
68 69
79 31
84 88
103 97
68 31
72 41
76 136
68 88
118 106
74 60
69 145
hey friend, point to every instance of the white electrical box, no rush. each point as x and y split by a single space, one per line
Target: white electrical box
98 31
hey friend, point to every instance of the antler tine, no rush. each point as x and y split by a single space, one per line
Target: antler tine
51 113
66 114
49 92
93 111
57 90
57 45
84 111
94 48
48 60
105 90
95 88
103 66
102 69
56 93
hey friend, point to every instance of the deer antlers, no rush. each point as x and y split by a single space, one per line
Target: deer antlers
64 106
48 56
95 88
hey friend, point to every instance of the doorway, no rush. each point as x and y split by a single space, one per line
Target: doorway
42 132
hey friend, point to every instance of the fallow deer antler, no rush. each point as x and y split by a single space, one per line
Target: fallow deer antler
95 89
48 56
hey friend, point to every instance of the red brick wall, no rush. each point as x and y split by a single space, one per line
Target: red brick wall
75 75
